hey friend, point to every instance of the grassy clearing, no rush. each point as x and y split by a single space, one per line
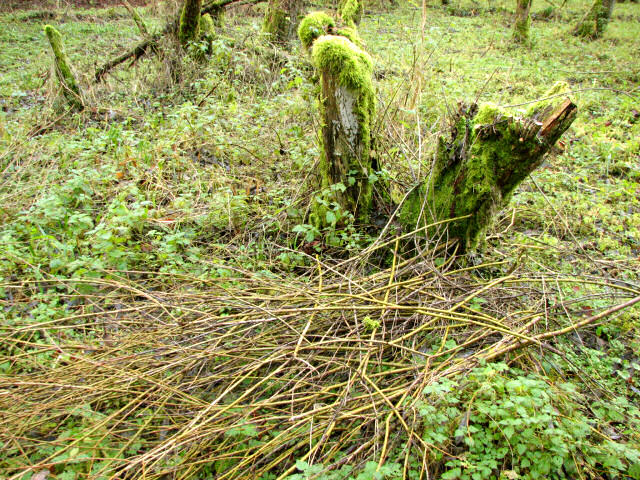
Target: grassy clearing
167 313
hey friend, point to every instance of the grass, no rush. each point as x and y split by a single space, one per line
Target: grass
166 313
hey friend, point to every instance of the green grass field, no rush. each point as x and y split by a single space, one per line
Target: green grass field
166 311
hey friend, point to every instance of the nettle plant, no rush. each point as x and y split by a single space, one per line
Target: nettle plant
339 229
503 424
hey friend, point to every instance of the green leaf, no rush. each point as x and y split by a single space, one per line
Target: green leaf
451 474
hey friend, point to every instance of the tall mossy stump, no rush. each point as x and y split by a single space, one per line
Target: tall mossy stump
316 24
347 106
68 83
475 172
189 28
350 11
281 19
594 23
522 24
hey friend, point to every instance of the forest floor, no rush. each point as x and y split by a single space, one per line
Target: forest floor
16 5
166 312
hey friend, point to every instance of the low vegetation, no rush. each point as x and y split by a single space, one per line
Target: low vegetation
169 307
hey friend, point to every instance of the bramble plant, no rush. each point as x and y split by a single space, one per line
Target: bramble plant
507 424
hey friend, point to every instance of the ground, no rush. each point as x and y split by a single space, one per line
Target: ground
16 5
166 309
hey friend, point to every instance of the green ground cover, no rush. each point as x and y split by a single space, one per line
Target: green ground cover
166 311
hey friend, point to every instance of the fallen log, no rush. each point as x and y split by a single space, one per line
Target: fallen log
213 8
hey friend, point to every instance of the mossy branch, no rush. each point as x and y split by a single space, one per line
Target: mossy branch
316 24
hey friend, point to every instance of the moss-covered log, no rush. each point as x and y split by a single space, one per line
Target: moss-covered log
281 19
477 169
347 105
350 11
522 22
594 23
64 72
189 29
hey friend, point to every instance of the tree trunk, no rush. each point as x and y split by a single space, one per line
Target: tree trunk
281 20
189 29
64 72
476 171
595 21
345 171
523 21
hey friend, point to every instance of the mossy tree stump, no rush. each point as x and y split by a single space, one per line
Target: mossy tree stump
64 72
347 104
189 28
489 153
316 24
594 23
281 19
350 11
522 22
313 26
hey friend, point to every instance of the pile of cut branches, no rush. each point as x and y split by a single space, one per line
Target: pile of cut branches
243 376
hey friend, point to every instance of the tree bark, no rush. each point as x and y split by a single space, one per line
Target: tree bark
281 19
595 21
345 171
189 28
490 152
522 21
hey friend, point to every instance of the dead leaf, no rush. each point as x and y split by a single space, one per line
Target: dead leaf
41 475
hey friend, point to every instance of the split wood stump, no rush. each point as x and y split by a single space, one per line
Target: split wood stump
476 170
